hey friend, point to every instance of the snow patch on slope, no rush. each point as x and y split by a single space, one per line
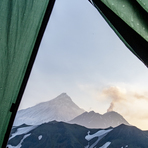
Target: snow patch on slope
22 130
125 146
40 137
100 134
97 134
20 144
106 145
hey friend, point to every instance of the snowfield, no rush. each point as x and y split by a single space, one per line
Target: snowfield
61 108
97 134
100 134
22 130
20 144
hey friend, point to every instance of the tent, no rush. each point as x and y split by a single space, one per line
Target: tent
22 27
129 20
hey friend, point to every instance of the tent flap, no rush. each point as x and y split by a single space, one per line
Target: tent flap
144 4
129 21
131 13
19 29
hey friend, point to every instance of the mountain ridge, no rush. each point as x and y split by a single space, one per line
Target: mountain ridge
61 108
63 135
96 120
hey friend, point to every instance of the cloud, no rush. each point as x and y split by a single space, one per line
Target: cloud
132 104
143 96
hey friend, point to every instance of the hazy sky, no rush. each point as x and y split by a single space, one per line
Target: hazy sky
82 56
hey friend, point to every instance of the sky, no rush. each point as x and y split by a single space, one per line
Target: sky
82 56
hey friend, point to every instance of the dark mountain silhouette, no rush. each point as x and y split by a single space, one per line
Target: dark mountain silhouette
63 135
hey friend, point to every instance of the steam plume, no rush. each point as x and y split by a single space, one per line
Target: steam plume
115 94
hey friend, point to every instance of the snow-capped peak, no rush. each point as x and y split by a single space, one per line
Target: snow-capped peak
61 108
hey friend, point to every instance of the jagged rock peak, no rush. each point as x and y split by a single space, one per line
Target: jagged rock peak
111 112
92 112
61 108
63 96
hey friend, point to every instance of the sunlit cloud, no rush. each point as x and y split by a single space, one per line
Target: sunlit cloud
131 104
130 101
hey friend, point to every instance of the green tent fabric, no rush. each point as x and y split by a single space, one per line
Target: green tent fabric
129 20
144 4
20 26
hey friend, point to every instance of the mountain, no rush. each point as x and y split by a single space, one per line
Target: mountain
53 135
61 108
125 136
63 135
96 120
